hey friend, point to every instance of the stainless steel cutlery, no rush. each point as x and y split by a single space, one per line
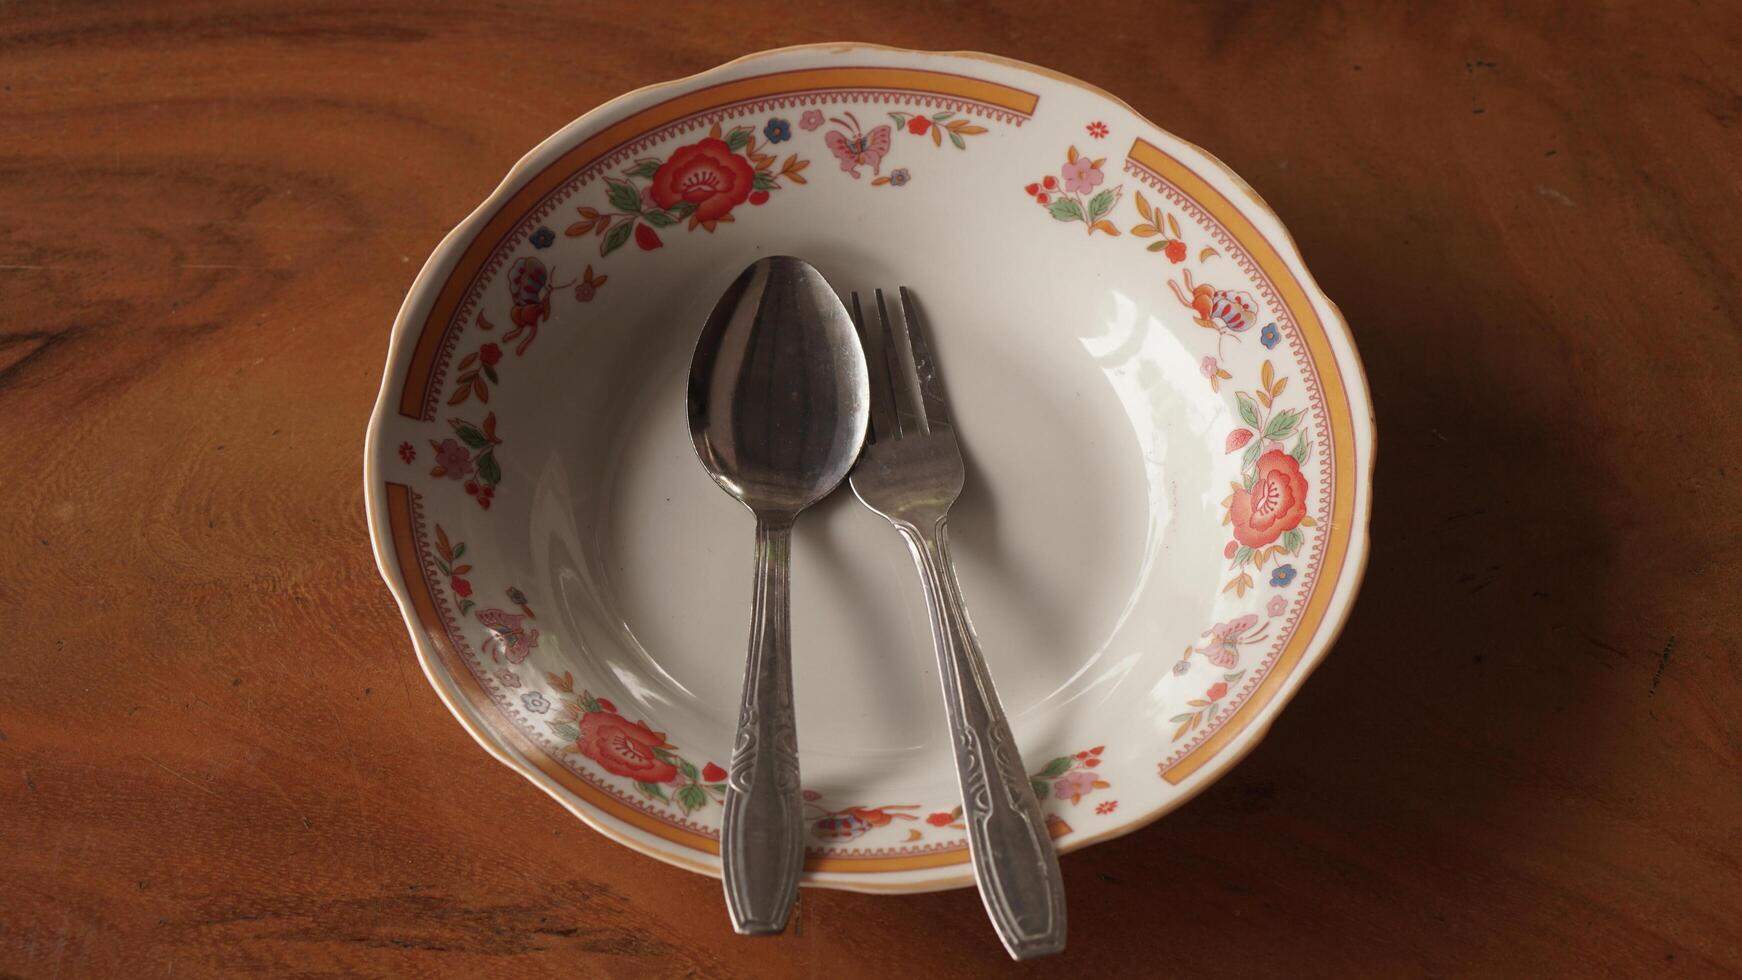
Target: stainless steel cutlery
783 387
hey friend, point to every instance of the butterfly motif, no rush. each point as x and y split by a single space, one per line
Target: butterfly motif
862 149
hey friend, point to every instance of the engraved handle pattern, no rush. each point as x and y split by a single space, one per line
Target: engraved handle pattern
762 837
1014 859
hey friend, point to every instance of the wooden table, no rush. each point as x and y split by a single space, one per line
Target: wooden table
217 755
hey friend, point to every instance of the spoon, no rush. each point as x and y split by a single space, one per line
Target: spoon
779 398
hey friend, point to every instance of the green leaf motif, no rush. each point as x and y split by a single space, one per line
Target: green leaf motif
616 237
466 606
1102 203
1250 478
764 181
489 470
956 138
1242 556
1040 788
624 197
565 731
688 768
490 372
661 219
1282 425
1302 449
900 119
1211 714
682 209
941 116
644 169
472 436
1248 409
1056 768
692 798
1293 540
459 551
738 138
1156 246
1234 678
1066 209
589 703
1177 719
651 789
1250 456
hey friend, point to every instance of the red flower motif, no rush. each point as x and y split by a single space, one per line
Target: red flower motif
941 819
647 238
1275 504
624 747
758 197
1097 129
707 174
1217 691
1042 198
490 354
1108 807
407 451
712 773
918 125
1175 251
1049 182
462 588
1032 189
1232 549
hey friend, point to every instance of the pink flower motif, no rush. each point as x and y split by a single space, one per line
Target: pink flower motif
508 677
810 120
452 460
1108 807
1074 785
1207 367
1081 175
509 639
407 451
1276 606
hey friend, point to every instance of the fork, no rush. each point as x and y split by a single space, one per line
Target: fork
911 471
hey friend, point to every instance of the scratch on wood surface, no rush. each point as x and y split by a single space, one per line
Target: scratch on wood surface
1662 662
204 789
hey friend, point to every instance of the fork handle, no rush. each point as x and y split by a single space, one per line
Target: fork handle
761 838
1015 863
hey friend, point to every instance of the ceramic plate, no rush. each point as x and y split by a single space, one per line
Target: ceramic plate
1169 449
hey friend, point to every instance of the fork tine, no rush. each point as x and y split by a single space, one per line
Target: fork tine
931 389
883 422
899 355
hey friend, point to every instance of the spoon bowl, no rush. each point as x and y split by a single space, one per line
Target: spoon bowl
778 396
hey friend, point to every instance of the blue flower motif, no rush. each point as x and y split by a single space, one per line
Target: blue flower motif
777 131
900 177
1281 575
542 238
1270 336
535 702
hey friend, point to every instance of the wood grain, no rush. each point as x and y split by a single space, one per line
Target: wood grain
217 755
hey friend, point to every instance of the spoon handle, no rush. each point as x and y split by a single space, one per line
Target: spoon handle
1014 860
761 840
